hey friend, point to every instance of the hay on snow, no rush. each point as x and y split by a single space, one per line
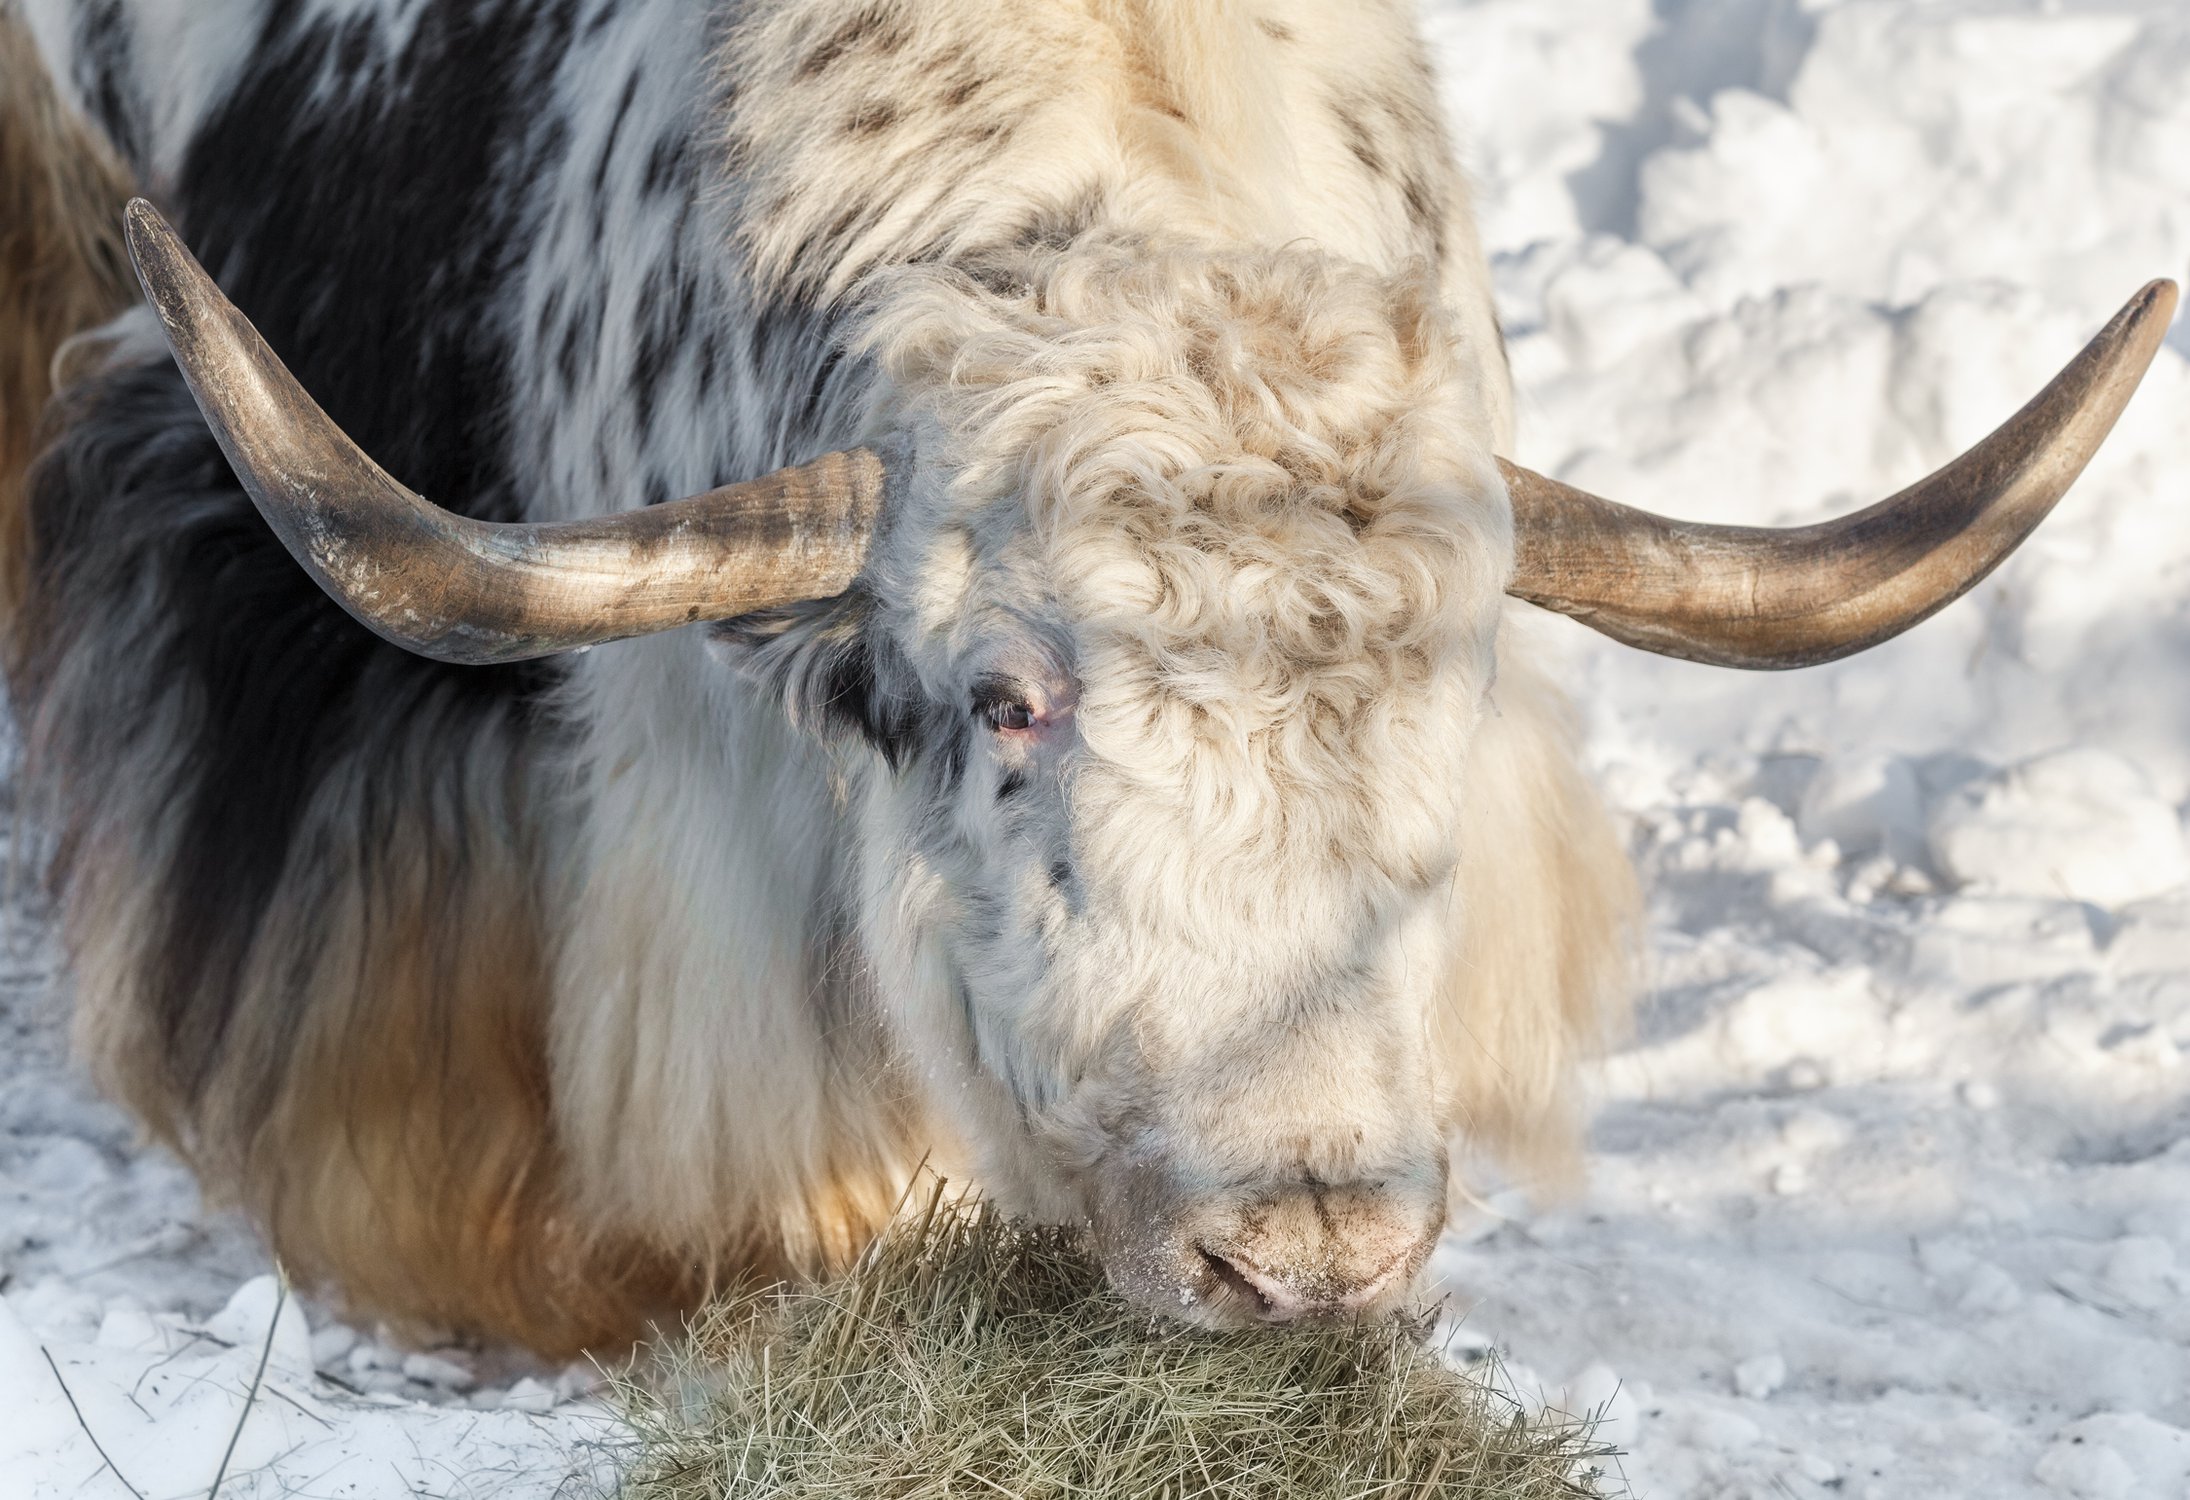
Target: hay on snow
965 1355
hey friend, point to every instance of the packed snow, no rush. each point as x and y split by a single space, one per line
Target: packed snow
1889 1190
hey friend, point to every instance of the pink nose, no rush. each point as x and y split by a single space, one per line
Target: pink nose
1313 1252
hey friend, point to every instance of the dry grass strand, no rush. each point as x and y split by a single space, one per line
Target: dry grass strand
968 1355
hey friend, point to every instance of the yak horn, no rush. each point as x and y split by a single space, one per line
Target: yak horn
475 592
1759 597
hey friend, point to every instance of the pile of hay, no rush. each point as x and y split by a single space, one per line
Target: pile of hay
968 1356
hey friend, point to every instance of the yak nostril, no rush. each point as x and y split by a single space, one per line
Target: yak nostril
1266 1297
1230 1275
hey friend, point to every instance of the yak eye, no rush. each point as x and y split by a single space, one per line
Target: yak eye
1009 714
1003 703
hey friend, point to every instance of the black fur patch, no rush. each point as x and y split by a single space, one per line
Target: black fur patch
836 673
364 208
963 87
155 581
952 752
361 204
105 67
793 345
669 168
607 157
872 118
1358 139
1424 212
876 26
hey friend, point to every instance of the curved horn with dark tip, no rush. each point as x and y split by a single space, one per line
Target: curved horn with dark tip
1759 597
472 591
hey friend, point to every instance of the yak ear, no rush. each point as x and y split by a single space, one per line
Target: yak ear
833 667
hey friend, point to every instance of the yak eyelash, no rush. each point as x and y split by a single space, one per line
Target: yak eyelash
1003 704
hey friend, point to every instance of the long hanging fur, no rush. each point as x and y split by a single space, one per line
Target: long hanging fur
62 266
301 873
1549 910
306 878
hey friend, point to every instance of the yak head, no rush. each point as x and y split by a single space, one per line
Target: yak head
1164 665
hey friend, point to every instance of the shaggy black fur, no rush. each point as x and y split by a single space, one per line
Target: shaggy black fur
155 582
161 603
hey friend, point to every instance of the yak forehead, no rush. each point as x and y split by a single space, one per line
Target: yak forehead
1253 493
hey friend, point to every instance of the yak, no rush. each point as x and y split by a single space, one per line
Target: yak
963 618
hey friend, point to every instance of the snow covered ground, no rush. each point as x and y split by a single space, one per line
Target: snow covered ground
1890 1192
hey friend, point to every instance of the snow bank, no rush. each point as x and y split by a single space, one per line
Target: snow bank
2078 823
1891 1191
1762 259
